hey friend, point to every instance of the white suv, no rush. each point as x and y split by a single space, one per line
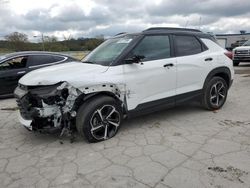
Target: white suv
127 75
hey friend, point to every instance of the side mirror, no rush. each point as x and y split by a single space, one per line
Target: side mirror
129 60
134 59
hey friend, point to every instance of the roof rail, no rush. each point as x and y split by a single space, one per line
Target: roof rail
120 33
171 29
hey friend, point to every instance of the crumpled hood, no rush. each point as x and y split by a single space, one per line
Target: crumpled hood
75 73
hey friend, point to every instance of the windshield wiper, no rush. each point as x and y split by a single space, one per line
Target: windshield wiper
90 62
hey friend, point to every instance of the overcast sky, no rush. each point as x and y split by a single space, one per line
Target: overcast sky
89 18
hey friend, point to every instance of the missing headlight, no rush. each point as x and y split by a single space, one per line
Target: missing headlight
65 93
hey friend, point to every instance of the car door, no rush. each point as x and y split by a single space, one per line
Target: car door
154 79
11 70
192 63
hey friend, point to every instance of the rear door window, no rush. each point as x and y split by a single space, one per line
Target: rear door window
187 45
36 60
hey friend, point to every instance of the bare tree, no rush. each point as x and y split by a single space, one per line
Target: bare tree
50 39
51 43
17 40
67 38
16 37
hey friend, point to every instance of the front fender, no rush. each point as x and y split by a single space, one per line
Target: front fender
118 91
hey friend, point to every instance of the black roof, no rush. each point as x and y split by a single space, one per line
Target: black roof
34 52
170 29
173 30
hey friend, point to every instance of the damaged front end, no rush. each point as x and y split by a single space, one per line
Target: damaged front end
47 108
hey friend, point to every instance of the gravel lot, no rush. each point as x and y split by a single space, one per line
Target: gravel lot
182 147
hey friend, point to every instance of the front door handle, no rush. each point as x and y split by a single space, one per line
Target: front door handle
21 72
209 59
168 65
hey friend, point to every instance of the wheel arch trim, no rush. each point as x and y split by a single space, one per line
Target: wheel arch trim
223 72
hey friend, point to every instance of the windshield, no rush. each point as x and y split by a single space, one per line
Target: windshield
247 43
108 51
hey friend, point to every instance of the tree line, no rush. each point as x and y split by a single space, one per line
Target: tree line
19 42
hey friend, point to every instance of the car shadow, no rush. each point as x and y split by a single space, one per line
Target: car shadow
138 122
156 117
3 97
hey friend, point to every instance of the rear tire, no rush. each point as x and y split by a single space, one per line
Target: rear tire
236 63
215 93
99 119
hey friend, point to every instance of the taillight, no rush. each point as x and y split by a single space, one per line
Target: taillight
229 54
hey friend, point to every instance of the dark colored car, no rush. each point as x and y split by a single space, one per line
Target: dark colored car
13 66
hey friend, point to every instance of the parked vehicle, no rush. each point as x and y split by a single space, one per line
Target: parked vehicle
13 66
237 44
127 75
241 53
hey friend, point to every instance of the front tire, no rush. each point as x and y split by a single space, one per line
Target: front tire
99 119
236 63
215 93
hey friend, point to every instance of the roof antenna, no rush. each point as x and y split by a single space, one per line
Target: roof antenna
186 23
200 23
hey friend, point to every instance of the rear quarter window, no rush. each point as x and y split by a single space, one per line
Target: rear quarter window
59 58
212 45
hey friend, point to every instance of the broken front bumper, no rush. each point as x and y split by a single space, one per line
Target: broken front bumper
24 122
45 108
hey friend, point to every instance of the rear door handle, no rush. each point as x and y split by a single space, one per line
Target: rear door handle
21 72
209 59
168 65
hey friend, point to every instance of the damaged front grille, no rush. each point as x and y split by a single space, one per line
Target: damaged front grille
23 110
32 98
49 107
26 106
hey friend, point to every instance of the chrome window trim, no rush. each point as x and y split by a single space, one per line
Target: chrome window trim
64 58
17 56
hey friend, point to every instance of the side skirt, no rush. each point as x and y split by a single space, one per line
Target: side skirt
166 103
